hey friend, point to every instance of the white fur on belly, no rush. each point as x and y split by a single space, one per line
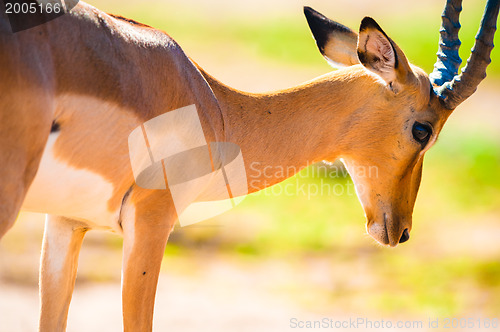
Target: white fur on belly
60 189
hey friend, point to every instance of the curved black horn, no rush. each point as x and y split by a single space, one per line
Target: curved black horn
448 61
453 89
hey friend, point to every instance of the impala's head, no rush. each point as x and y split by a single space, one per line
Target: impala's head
401 110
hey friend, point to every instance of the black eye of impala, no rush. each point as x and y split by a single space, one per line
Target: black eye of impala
421 133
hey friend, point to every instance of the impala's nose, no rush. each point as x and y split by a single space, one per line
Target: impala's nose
405 236
388 233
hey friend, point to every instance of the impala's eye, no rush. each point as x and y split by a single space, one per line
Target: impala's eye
422 133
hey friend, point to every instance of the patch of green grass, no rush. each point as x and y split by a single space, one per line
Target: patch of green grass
438 286
307 219
467 167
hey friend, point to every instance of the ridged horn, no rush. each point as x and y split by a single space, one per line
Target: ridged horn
453 88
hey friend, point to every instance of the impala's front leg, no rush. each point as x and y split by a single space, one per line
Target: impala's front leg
146 230
62 240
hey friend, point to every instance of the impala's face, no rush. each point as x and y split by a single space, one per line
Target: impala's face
389 131
386 162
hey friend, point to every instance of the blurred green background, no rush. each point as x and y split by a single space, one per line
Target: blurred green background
314 248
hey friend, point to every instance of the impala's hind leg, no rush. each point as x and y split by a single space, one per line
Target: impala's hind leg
146 230
61 245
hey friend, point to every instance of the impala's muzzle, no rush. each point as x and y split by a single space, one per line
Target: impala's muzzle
388 232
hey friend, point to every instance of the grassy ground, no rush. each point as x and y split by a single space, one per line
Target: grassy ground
309 251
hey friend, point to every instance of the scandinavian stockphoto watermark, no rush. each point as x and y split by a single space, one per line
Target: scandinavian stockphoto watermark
27 14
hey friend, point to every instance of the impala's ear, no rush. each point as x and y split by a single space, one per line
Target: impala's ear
379 54
335 41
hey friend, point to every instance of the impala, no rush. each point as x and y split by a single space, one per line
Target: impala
74 89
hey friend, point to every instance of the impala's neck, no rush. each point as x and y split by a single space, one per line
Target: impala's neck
282 132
